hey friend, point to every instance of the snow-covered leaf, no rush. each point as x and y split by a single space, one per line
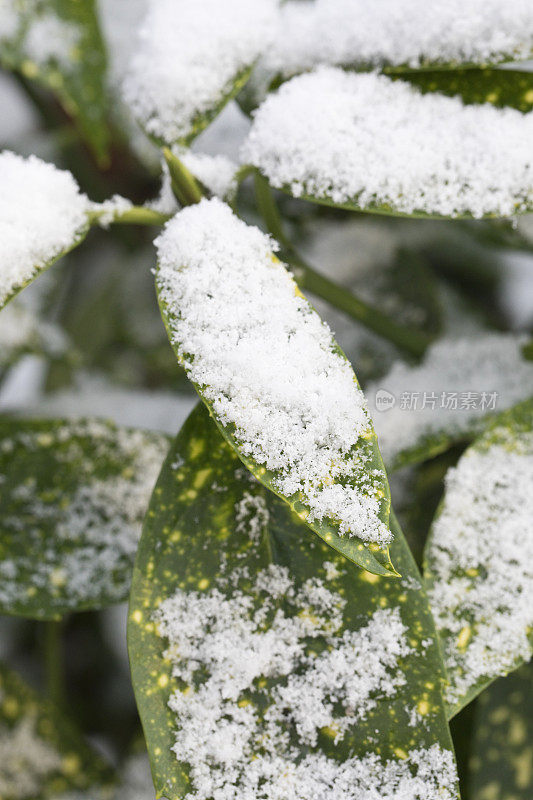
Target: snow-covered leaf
72 500
43 216
422 411
414 34
479 558
379 145
280 389
268 667
502 746
192 58
512 88
58 44
41 753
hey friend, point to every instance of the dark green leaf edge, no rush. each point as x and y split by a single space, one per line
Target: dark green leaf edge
80 236
187 528
368 556
81 768
203 119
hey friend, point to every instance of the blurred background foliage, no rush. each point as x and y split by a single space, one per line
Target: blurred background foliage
87 337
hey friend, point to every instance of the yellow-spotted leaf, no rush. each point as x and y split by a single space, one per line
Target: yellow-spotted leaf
43 755
278 386
58 44
43 216
193 57
382 146
479 558
501 760
72 499
504 88
266 666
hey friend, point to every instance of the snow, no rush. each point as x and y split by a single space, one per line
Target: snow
42 214
267 363
368 141
96 525
216 174
26 759
188 57
480 558
489 363
413 33
240 652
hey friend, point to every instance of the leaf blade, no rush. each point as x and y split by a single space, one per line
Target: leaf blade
191 533
72 502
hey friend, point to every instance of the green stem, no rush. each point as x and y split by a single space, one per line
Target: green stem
53 662
184 184
136 215
412 341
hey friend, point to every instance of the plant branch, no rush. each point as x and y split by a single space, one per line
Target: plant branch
136 215
408 339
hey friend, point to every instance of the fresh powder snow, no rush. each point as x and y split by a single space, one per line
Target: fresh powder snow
96 525
230 646
189 56
269 366
410 33
42 214
480 561
450 394
371 142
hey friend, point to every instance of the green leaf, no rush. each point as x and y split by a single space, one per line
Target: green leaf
504 88
73 496
448 399
213 532
501 760
43 216
364 471
478 559
438 154
58 44
43 754
191 59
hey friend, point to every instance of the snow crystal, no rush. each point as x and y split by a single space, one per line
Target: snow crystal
229 649
96 526
370 141
480 561
188 58
110 210
252 516
451 372
268 365
42 213
412 33
26 760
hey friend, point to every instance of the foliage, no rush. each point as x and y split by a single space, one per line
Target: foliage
283 638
